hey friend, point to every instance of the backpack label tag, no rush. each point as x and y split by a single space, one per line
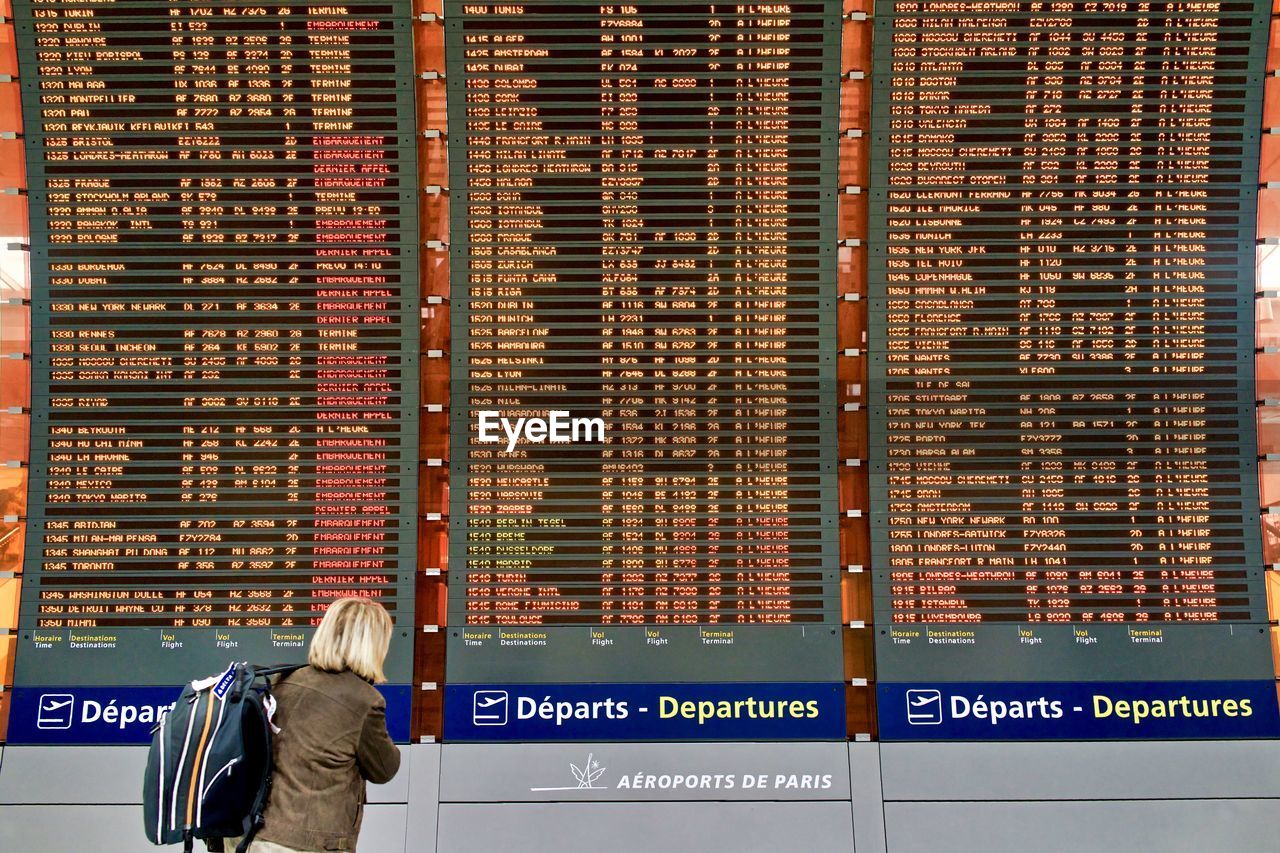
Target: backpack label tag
269 704
224 683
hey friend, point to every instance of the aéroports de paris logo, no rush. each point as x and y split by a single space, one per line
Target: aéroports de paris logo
587 775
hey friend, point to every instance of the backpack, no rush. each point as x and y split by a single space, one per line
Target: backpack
209 768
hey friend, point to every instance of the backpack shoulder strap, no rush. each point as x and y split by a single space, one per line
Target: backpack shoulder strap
248 673
253 820
278 669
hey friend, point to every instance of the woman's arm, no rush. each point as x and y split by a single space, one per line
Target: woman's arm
377 755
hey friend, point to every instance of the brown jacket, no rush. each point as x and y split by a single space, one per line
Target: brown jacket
333 737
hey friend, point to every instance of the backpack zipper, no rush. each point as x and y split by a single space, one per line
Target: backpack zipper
182 760
226 768
160 806
195 762
222 713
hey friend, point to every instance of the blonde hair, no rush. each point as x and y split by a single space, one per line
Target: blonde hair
354 634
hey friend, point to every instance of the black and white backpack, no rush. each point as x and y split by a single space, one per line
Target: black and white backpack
209 769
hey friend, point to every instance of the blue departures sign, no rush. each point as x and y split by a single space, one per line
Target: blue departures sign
1149 710
126 715
621 712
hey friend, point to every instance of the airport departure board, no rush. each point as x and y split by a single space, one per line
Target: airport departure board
951 299
643 430
223 204
1064 476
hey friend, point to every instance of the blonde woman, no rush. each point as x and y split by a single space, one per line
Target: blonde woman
333 735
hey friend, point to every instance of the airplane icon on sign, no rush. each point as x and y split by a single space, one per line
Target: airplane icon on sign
924 707
489 708
54 711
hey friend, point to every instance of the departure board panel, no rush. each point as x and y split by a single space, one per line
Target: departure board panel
1064 475
643 278
223 205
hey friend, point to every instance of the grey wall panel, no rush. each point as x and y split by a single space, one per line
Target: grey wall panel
424 797
644 771
1204 826
95 775
383 829
397 790
118 829
73 829
101 775
646 827
1075 771
868 801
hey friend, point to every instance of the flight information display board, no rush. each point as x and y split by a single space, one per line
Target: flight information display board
225 328
1064 475
643 430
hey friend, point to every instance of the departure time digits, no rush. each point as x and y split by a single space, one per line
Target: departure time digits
223 362
1063 402
643 213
